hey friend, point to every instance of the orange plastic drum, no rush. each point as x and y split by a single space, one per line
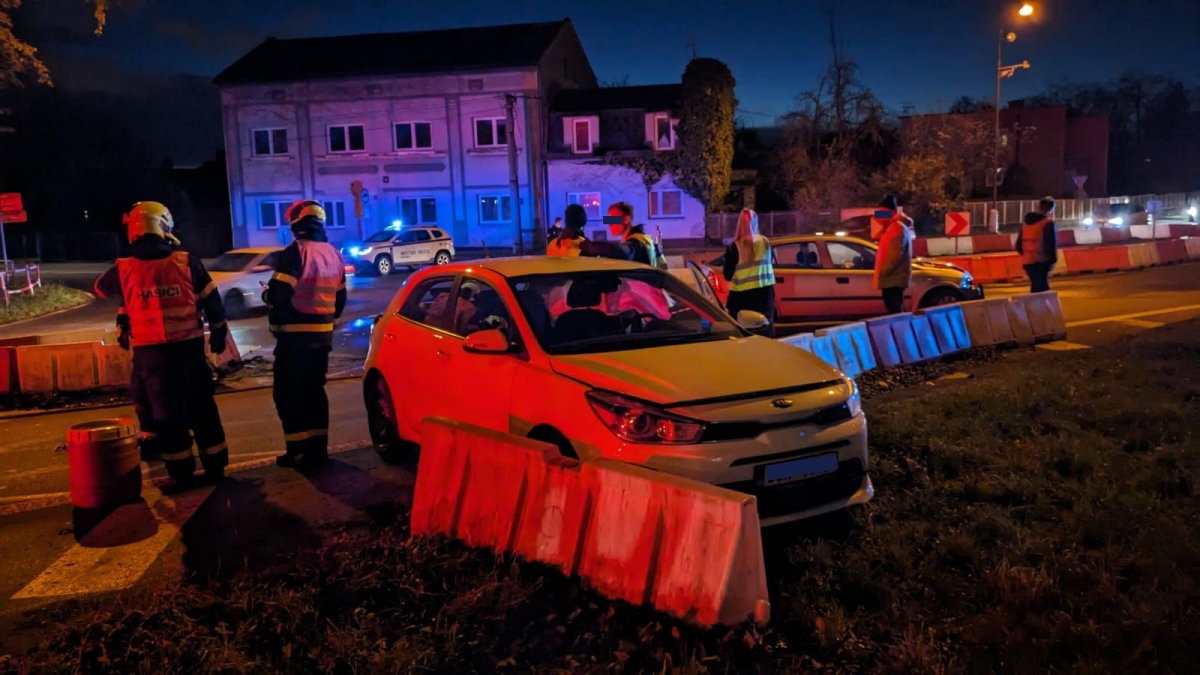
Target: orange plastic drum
104 463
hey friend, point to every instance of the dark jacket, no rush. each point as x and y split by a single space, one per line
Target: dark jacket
1049 235
279 294
630 249
150 247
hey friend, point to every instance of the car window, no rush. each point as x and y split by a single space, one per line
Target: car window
272 260
429 303
593 312
802 255
844 255
409 237
438 234
480 307
422 235
231 262
381 236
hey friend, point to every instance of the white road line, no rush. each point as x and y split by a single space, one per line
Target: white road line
92 567
1138 323
1135 315
1062 346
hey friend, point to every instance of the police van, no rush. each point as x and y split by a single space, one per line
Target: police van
394 247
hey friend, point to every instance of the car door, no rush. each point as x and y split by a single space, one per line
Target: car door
851 266
423 248
419 344
477 388
799 293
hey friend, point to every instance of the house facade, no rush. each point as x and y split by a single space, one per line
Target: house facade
595 136
394 130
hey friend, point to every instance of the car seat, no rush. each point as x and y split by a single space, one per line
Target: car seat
583 321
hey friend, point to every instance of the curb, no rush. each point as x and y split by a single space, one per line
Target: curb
90 299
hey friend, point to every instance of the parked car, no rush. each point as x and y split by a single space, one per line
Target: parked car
616 359
413 247
1117 215
829 277
239 275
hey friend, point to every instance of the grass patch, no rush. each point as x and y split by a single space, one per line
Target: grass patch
48 299
1039 518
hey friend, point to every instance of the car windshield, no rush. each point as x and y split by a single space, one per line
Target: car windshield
385 235
232 262
606 311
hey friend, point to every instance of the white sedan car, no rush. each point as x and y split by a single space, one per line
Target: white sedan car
388 249
615 359
239 275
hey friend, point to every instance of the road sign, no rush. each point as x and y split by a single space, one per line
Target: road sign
8 218
10 202
958 223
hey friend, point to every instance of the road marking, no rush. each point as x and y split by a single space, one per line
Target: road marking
1062 346
91 566
1138 323
1136 315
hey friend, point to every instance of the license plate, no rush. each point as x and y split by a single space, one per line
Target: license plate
798 469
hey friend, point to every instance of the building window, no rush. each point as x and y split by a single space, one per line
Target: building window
581 137
590 201
347 138
269 142
666 203
664 135
272 214
490 133
335 213
418 211
414 136
495 209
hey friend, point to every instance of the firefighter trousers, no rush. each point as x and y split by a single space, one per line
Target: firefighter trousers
173 399
301 363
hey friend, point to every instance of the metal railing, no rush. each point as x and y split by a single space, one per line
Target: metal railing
33 279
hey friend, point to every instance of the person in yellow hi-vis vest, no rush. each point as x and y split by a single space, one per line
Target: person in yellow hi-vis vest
750 271
570 239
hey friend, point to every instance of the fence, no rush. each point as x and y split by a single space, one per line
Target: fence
721 226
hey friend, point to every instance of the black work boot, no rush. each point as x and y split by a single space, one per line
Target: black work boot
287 460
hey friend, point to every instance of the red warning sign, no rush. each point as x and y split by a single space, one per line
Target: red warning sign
958 223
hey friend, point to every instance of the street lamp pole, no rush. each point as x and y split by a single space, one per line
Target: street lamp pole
996 137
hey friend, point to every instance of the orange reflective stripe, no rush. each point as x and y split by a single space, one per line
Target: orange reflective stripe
303 328
285 278
208 290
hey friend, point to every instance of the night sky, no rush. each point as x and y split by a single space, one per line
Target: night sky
923 53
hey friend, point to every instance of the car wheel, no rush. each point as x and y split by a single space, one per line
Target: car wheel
382 423
939 296
235 304
556 438
383 265
442 258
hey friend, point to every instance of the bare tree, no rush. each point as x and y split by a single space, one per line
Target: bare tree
18 57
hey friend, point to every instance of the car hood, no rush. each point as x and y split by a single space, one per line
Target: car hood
933 267
697 372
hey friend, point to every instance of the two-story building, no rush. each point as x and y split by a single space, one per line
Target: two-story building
416 122
597 137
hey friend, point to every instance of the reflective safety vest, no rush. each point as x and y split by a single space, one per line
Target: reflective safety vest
651 249
1033 243
160 300
756 273
322 275
561 247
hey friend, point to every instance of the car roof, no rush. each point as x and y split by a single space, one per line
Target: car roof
792 239
541 264
257 250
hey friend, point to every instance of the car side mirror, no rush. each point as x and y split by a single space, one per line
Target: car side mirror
751 320
492 341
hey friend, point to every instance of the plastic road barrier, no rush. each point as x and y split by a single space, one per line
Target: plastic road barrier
802 341
949 328
104 463
894 341
1085 237
927 344
1193 248
852 344
988 323
822 348
1143 232
1045 315
1143 255
690 549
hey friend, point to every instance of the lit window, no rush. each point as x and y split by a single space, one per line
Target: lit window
347 138
418 210
335 213
666 203
495 209
590 201
582 137
414 136
664 134
269 142
272 214
490 133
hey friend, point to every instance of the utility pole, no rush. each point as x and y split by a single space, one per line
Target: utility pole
514 189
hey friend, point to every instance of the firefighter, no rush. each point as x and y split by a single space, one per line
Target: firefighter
635 244
893 261
569 241
1038 245
306 295
163 292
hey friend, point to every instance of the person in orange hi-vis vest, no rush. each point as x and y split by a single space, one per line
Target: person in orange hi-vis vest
307 295
893 261
1038 245
165 294
567 243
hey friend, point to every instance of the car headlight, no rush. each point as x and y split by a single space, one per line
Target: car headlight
1118 221
854 402
360 251
1192 211
1089 221
967 280
637 422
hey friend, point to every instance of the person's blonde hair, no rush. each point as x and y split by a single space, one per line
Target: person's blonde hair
747 226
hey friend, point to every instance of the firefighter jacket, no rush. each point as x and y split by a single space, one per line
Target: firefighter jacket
307 293
1038 242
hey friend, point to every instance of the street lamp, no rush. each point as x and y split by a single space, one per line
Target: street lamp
1003 71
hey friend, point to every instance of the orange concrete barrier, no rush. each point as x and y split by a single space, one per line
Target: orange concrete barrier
992 243
1143 255
1115 234
1171 251
690 549
1066 238
1178 231
62 367
8 369
114 366
1193 248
